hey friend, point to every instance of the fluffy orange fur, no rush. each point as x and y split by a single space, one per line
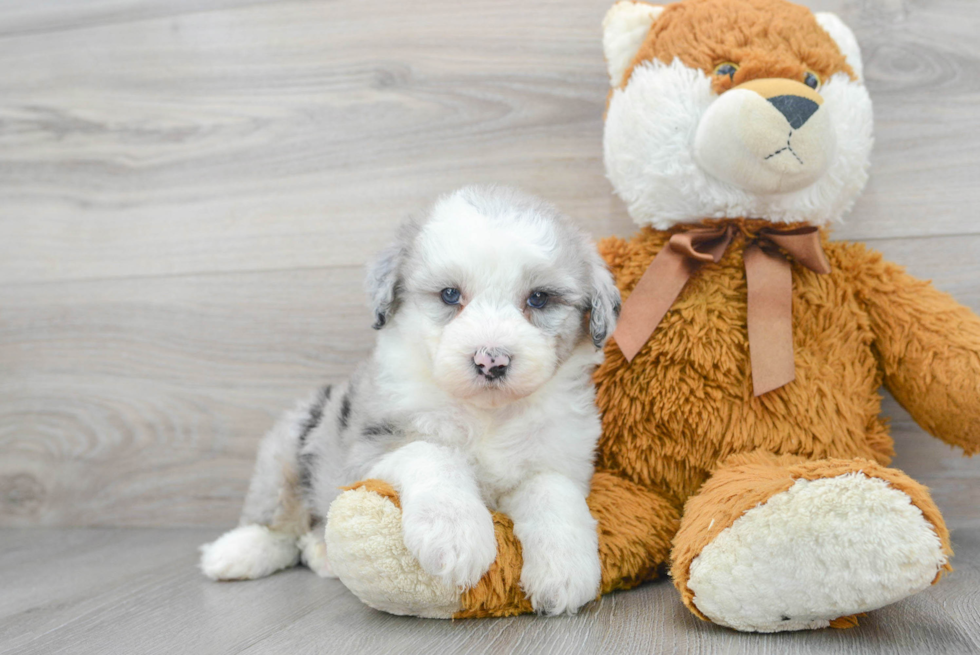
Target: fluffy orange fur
683 436
766 38
635 529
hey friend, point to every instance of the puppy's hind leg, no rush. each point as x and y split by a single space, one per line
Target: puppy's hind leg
313 551
248 552
275 515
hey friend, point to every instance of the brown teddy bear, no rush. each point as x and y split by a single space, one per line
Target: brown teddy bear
742 441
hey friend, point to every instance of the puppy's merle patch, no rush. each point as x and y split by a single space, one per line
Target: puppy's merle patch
379 430
344 417
316 413
306 460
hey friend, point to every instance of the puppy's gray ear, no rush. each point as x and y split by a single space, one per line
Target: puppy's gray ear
606 301
384 278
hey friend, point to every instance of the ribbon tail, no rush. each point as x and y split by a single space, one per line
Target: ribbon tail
652 296
803 245
770 319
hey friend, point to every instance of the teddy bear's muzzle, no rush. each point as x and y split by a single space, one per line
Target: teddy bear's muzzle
766 136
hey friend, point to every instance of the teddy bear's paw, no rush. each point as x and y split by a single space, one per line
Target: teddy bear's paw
820 550
451 536
368 553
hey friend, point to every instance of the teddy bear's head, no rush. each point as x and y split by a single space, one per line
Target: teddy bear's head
732 109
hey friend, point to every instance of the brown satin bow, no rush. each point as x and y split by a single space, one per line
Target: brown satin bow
770 293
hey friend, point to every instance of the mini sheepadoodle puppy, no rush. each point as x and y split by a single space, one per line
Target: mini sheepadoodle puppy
492 314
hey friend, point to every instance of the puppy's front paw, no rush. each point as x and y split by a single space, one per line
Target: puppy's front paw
451 537
558 580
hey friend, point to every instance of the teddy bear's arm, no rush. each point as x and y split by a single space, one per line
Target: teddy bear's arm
635 528
367 550
927 345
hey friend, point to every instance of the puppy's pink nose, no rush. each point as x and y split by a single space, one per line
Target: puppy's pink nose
491 364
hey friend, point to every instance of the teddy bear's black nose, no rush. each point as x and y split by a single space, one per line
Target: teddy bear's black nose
796 109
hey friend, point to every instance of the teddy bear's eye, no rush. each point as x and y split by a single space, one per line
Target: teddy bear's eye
728 68
811 79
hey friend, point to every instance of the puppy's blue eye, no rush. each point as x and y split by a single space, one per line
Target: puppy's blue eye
537 300
450 296
811 79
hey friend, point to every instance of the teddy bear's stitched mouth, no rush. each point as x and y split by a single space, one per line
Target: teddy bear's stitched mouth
789 147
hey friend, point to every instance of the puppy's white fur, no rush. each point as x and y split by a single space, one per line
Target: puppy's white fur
248 552
420 416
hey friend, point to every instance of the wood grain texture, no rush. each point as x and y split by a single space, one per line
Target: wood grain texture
189 191
140 401
124 591
159 138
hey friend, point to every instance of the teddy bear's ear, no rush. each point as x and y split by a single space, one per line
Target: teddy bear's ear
623 31
844 38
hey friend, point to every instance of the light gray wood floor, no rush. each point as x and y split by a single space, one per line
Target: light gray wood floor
131 591
188 192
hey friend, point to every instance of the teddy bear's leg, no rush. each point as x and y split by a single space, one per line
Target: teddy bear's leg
773 543
366 551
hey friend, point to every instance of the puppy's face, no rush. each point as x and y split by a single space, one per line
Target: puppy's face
497 289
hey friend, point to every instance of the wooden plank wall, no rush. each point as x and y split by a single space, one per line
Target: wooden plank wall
189 190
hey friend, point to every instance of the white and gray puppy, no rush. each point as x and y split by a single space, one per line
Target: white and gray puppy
492 313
